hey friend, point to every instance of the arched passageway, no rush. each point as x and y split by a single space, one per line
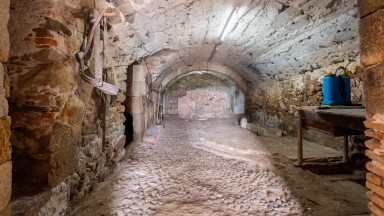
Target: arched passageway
202 94
61 134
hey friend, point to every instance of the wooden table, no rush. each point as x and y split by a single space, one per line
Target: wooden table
335 121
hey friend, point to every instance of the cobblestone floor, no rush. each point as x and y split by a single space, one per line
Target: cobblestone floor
173 178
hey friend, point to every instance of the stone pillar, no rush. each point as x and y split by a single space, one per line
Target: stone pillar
42 77
371 29
5 121
135 100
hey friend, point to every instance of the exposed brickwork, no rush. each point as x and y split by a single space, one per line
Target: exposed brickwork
372 43
57 137
375 179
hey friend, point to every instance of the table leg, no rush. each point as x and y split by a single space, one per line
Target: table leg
346 149
300 138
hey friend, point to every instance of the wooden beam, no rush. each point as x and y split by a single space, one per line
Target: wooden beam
300 138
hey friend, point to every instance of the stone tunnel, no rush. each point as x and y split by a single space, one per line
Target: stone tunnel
127 107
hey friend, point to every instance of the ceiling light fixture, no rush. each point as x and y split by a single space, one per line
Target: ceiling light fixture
228 24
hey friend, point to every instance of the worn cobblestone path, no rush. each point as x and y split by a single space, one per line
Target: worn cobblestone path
173 178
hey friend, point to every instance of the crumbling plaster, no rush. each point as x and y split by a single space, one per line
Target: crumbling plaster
276 53
272 39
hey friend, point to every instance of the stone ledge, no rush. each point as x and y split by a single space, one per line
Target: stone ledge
375 179
377 189
373 144
376 199
374 168
375 209
374 134
264 131
372 125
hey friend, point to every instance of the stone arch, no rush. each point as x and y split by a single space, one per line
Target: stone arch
210 67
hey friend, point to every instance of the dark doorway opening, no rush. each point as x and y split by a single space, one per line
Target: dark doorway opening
128 128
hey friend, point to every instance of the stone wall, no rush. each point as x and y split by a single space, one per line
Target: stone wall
59 139
142 101
203 104
5 120
371 14
198 88
274 103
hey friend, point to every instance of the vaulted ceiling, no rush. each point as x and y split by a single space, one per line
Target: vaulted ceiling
269 39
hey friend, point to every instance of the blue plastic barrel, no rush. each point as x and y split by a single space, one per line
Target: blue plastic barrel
332 90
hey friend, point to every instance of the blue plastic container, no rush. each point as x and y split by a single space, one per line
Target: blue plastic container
332 90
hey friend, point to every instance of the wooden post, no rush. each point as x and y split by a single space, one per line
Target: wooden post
97 53
346 149
299 138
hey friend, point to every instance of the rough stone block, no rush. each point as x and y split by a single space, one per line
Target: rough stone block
53 202
137 105
375 167
64 136
375 126
121 97
63 164
372 38
5 145
50 56
5 184
377 189
4 35
374 134
120 143
375 179
137 89
375 209
138 73
4 91
73 112
372 144
56 76
368 6
6 211
374 87
378 200
138 123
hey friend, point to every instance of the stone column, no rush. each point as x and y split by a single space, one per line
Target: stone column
371 29
135 98
5 121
